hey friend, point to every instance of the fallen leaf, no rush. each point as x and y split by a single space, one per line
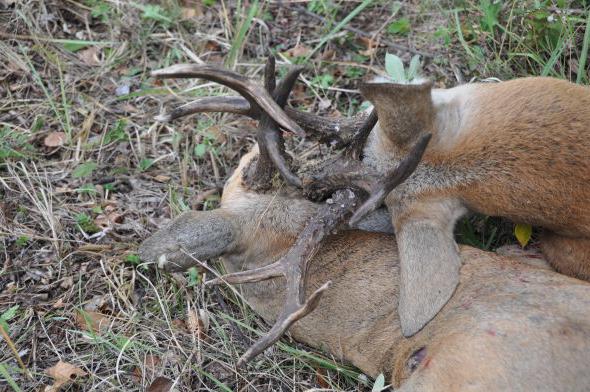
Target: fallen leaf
108 220
90 56
67 282
63 373
212 46
162 178
320 376
92 321
55 139
160 384
370 45
297 51
190 12
198 322
96 302
150 364
58 304
523 233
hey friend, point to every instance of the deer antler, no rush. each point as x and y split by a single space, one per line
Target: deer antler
333 131
345 177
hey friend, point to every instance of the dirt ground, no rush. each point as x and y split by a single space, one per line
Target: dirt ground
86 173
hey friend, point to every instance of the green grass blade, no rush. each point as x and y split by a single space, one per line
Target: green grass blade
584 53
550 64
241 36
221 385
460 35
339 27
4 373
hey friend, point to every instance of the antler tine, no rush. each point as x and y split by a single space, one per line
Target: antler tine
355 149
254 93
284 322
227 104
270 136
293 266
392 179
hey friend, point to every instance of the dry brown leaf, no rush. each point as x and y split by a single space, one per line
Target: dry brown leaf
297 51
55 139
212 46
58 304
190 12
371 46
162 178
92 321
197 322
63 373
108 220
150 363
90 56
160 384
321 376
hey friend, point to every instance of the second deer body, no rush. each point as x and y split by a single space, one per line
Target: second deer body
512 324
518 149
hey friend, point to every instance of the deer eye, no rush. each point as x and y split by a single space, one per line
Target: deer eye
416 359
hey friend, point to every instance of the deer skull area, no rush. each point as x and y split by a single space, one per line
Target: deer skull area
349 188
417 161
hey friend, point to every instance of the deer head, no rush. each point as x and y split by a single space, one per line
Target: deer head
343 181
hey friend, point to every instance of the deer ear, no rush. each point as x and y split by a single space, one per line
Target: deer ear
405 111
194 235
429 272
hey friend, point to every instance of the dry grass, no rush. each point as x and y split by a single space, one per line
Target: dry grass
86 175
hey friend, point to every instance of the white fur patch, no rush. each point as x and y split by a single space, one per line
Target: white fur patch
385 79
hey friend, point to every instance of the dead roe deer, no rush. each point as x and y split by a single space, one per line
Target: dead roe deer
511 325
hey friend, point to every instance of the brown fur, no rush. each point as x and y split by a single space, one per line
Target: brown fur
518 149
509 326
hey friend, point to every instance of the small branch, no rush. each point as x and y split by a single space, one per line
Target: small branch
12 347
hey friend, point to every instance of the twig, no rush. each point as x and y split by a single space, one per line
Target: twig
10 344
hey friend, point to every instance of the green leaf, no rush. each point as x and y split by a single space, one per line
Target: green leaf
6 375
194 277
523 233
491 11
414 68
400 27
200 150
145 164
133 259
10 313
22 241
394 68
155 12
74 46
379 384
89 189
84 170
